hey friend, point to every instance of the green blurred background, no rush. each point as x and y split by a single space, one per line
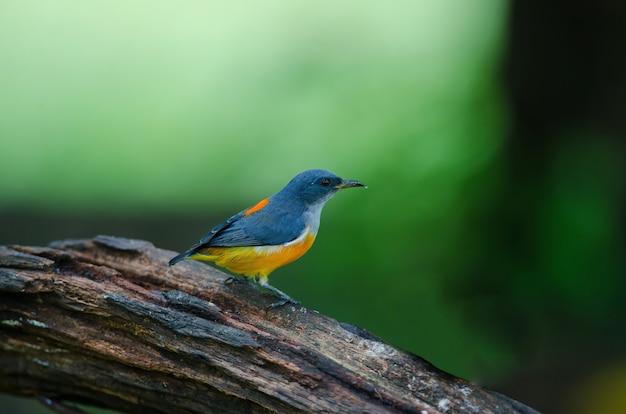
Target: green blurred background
491 238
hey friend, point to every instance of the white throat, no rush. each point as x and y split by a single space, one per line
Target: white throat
314 212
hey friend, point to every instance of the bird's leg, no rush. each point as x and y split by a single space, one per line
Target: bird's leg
284 298
237 279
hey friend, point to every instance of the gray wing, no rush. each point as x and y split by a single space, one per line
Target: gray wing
267 227
263 228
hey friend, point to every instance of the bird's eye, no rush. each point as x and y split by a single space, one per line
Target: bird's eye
325 182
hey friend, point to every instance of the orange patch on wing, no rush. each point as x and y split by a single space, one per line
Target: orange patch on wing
257 207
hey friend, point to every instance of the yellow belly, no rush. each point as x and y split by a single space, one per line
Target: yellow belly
256 261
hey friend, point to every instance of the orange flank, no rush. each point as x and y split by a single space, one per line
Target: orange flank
257 261
257 207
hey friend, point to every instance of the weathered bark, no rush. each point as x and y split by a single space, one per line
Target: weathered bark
107 322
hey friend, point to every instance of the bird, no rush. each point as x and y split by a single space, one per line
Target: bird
272 233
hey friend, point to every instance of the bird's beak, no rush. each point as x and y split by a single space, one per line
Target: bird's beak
349 183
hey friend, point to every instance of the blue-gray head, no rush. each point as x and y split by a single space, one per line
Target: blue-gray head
315 187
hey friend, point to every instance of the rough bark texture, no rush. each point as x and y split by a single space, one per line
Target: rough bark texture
107 322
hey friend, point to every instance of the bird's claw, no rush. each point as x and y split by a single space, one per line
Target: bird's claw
235 279
283 302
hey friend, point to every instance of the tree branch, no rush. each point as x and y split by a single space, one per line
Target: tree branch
108 323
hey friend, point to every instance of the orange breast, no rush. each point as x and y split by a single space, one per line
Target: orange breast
257 261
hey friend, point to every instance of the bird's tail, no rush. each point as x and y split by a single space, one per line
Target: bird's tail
186 254
178 258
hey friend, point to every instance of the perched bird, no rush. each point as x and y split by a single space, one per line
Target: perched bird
274 232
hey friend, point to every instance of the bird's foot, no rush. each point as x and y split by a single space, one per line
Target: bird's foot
236 279
282 302
284 298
